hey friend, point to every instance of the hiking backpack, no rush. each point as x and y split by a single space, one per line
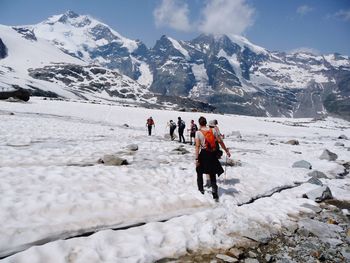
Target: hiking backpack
210 140
182 124
150 122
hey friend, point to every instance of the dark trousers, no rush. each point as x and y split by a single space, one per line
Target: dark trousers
212 181
149 129
181 135
172 133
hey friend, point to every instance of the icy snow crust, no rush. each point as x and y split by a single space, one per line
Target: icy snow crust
52 187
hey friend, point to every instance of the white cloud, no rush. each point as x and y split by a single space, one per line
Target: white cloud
304 9
343 15
173 14
226 17
307 50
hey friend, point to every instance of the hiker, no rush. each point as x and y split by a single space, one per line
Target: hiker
181 127
206 158
193 130
149 124
172 126
213 124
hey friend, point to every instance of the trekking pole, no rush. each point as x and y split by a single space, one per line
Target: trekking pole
225 170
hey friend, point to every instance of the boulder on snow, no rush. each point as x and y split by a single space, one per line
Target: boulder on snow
132 147
231 162
328 155
317 174
314 180
111 159
343 137
339 144
302 164
293 142
320 194
126 125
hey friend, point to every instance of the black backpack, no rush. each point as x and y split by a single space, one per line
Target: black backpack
182 125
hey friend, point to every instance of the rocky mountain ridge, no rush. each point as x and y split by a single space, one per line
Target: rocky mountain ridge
229 73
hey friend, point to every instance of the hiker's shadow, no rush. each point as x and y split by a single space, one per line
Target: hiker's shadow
230 190
230 182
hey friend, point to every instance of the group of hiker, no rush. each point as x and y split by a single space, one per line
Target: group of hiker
207 140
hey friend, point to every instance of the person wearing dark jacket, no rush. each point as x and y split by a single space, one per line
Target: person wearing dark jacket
206 158
181 127
172 126
149 124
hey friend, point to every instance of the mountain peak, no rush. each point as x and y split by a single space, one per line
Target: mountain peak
71 14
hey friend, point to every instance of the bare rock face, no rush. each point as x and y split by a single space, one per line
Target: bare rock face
3 50
20 94
328 155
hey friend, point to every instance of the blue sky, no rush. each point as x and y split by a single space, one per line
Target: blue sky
321 26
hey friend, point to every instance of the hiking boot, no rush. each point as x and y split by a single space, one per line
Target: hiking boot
216 197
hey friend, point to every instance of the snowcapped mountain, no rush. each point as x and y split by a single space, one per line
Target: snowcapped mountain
230 73
31 62
95 42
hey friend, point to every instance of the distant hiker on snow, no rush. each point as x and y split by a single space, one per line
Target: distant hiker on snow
149 124
181 127
206 156
172 126
193 130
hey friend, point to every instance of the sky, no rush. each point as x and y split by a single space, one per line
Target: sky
317 26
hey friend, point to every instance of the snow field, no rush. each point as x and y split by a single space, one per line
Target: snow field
53 188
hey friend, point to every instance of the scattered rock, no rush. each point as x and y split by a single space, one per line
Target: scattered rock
339 144
231 162
319 194
346 253
252 254
126 125
297 152
11 113
302 164
132 147
317 174
237 253
328 155
314 180
343 137
226 258
268 258
260 235
251 260
320 229
110 159
314 208
293 142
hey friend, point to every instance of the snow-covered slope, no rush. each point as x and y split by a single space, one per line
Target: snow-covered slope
25 51
33 63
